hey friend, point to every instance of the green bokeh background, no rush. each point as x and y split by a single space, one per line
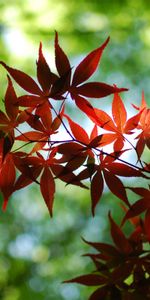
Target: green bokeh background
37 253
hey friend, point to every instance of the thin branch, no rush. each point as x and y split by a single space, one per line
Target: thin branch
58 115
96 149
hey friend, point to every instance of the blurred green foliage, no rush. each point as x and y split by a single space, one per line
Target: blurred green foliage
38 253
82 25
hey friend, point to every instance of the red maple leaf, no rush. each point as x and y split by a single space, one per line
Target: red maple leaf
80 147
10 120
118 126
115 264
44 125
109 171
144 125
79 90
31 167
46 79
141 205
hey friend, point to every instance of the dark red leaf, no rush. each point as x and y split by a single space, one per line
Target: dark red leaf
7 178
30 101
96 142
140 191
11 101
47 186
137 208
104 248
34 160
60 86
61 59
99 294
87 108
119 238
24 80
30 136
121 272
97 185
86 173
23 115
140 145
8 142
35 123
121 169
75 162
70 148
116 187
97 89
43 72
44 112
58 120
56 124
23 180
89 280
66 175
30 167
88 65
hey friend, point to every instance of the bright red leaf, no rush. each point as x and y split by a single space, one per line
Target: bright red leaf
88 65
118 126
144 125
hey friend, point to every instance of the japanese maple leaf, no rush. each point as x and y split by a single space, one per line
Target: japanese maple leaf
44 125
63 68
114 264
79 90
50 84
81 135
109 171
80 147
31 167
141 205
8 180
55 87
118 126
84 71
46 78
144 125
10 120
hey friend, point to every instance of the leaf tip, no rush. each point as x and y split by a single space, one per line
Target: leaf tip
5 204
